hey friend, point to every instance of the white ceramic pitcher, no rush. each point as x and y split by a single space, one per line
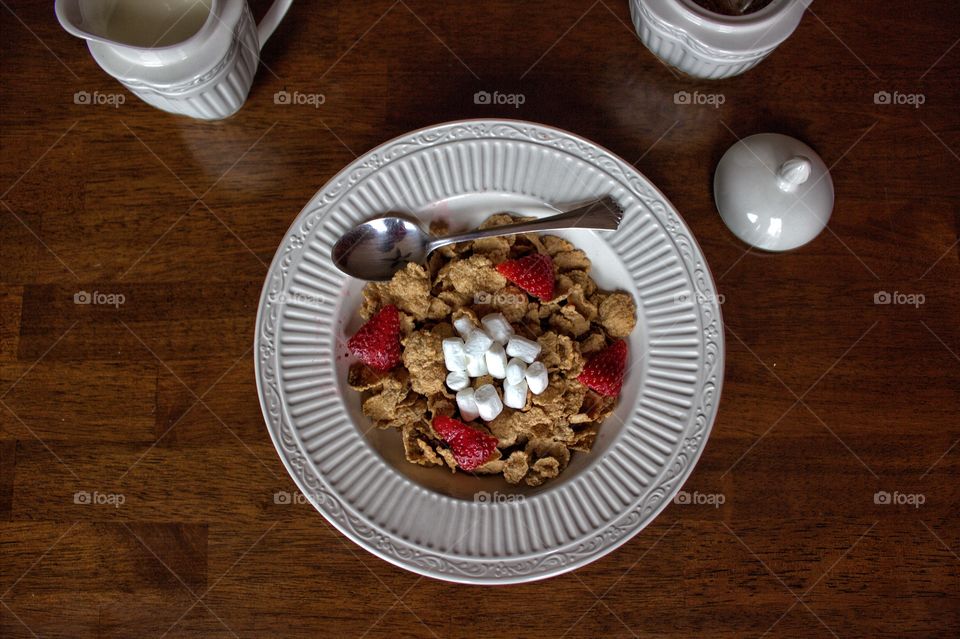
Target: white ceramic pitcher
191 57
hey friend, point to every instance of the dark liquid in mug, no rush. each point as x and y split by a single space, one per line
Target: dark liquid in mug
733 7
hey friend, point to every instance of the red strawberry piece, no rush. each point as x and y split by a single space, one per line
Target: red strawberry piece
377 343
533 273
471 447
604 372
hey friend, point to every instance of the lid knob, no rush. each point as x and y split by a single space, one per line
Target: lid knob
793 173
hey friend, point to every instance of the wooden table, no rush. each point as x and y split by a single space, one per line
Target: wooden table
830 398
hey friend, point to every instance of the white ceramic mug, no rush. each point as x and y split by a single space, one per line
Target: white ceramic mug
190 57
705 44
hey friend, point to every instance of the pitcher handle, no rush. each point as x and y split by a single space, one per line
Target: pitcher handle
271 20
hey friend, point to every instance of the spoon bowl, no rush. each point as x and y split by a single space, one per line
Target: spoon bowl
378 248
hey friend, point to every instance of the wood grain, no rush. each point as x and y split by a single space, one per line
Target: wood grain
829 398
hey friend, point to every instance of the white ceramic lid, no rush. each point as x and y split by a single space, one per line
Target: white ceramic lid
773 191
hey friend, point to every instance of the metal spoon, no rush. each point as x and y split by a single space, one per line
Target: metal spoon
378 248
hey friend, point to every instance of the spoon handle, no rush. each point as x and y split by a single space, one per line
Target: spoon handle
604 214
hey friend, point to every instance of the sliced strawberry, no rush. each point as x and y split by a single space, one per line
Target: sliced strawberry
604 372
377 343
471 447
533 273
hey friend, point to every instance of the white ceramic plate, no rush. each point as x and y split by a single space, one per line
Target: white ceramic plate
459 527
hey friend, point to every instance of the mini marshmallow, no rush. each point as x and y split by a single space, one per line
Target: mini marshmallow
476 365
454 355
515 395
467 403
458 380
516 368
463 325
488 402
477 342
496 359
497 327
537 378
525 349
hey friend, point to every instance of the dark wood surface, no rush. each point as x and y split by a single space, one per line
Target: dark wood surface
829 398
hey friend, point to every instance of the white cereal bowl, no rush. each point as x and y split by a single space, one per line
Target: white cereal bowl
459 527
708 45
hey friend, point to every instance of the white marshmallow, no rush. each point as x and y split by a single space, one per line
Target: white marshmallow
515 395
516 368
476 365
466 402
525 349
488 402
537 378
497 327
458 380
477 342
496 359
454 355
463 325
